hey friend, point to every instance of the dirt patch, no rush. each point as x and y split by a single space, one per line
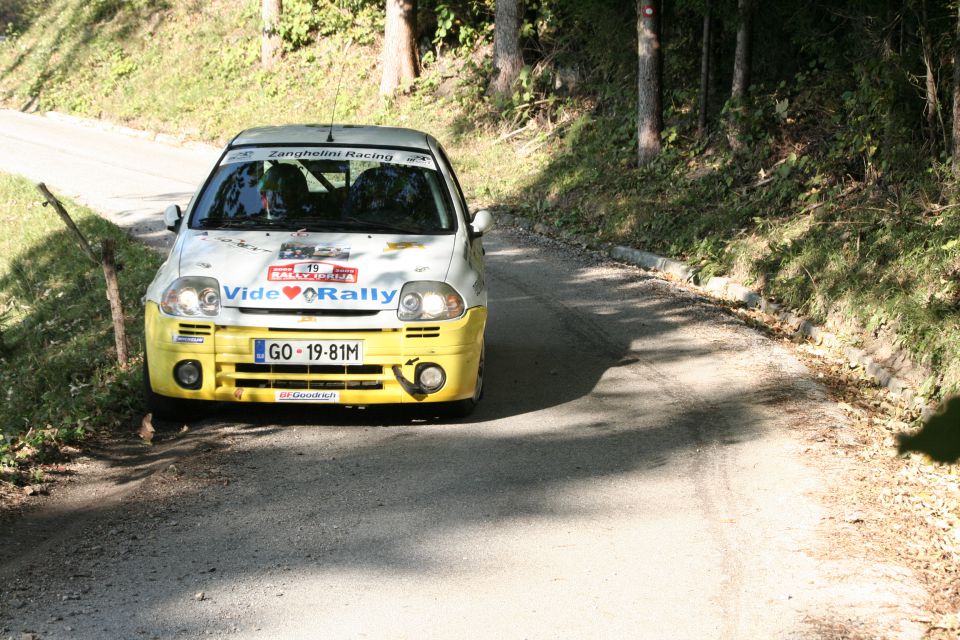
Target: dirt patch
895 509
106 474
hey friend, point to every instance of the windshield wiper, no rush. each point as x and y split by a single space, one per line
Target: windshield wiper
240 223
380 226
309 224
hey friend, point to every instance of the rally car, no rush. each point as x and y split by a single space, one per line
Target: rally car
321 264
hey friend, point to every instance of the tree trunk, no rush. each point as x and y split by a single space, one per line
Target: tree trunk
956 96
116 304
650 100
705 71
270 50
507 56
932 104
742 57
401 64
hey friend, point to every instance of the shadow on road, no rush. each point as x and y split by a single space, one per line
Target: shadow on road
581 389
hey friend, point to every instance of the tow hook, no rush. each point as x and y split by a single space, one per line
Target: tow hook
410 387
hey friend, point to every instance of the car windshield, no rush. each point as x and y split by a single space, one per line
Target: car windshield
326 188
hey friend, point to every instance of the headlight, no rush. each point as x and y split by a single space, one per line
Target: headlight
192 296
429 301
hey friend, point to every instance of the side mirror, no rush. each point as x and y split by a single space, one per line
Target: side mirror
481 223
172 216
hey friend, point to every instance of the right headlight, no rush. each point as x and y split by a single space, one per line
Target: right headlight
192 296
429 301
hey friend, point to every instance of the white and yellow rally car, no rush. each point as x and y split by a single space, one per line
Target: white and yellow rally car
321 264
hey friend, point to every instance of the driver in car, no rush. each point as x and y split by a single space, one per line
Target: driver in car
283 192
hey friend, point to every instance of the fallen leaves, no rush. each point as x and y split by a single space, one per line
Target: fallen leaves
146 428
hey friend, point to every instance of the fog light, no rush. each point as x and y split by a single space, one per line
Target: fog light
430 377
188 374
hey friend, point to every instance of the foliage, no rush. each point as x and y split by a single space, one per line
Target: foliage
305 21
462 25
59 371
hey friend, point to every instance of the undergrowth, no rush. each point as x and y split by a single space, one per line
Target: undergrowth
58 365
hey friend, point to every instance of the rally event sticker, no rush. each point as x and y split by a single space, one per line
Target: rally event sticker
312 272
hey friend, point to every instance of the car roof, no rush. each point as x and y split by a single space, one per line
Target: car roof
343 134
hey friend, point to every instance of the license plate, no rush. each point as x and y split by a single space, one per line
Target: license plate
343 352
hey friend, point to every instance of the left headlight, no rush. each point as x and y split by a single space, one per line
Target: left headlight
192 296
429 301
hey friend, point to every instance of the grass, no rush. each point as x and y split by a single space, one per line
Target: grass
58 365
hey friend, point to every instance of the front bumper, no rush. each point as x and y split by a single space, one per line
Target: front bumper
226 358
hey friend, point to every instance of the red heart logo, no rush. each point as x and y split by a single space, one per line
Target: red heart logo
291 292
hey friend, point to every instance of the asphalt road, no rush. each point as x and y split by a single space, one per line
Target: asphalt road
643 465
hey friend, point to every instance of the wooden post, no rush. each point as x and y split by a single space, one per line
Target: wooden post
116 307
42 188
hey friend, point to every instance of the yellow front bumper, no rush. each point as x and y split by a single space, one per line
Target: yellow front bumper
225 354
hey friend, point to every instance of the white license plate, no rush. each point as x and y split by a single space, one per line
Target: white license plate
343 352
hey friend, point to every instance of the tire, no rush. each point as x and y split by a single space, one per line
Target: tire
166 408
463 408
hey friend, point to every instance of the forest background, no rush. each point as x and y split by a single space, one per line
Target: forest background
804 149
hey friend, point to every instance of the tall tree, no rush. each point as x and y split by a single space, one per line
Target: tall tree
270 11
705 69
742 66
401 64
507 56
742 57
956 96
649 81
931 102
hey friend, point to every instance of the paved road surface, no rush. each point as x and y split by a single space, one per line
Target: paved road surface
132 180
643 466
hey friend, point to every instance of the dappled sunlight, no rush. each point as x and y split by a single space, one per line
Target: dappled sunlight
598 424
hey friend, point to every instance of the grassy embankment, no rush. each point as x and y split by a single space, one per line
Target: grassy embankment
824 210
58 364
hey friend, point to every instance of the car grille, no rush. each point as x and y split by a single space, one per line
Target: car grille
190 329
307 376
423 332
248 383
315 369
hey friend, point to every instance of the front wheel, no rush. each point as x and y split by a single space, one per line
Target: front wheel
166 408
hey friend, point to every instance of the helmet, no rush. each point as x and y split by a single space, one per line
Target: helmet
283 190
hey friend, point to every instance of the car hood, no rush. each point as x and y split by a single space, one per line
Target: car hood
332 271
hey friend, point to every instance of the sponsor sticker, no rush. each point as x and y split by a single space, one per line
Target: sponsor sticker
312 272
400 246
307 396
231 242
310 294
299 250
359 154
238 156
188 339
